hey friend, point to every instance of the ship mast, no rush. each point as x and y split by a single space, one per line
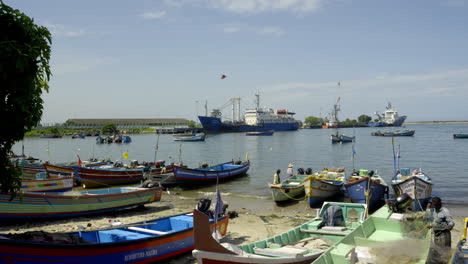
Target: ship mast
257 100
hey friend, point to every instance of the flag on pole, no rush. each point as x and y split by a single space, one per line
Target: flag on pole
398 153
79 161
125 155
219 205
354 151
246 156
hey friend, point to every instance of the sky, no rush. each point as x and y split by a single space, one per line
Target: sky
164 58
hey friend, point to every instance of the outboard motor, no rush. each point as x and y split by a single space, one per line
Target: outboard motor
401 203
204 206
308 171
300 171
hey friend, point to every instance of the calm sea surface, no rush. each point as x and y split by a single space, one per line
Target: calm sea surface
432 148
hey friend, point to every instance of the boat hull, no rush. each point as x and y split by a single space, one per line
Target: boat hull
418 189
214 125
228 171
460 135
102 177
357 190
396 123
32 205
257 133
281 193
61 184
318 190
148 249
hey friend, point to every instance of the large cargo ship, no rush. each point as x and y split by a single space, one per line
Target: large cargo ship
258 119
389 118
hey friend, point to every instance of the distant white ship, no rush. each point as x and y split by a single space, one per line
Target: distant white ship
389 118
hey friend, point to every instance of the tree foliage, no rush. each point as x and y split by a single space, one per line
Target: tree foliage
364 119
108 129
191 124
313 121
24 75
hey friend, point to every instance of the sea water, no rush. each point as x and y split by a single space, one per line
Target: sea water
432 149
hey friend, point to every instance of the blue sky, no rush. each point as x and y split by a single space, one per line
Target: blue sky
157 59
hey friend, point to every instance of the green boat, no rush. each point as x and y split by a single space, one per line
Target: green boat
460 135
300 245
385 237
288 189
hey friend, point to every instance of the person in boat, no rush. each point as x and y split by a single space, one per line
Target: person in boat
442 224
290 170
276 177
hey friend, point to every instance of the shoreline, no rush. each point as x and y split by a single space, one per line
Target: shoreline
255 220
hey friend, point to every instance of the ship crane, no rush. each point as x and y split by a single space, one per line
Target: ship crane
234 103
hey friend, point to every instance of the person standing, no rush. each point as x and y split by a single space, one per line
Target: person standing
290 170
441 225
276 177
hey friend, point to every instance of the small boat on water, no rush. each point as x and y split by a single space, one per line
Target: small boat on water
460 254
384 237
300 245
288 189
210 174
189 137
324 185
416 184
397 133
33 205
260 133
341 138
460 135
368 188
126 139
142 242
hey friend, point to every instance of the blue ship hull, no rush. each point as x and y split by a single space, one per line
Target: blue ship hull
214 125
357 192
397 123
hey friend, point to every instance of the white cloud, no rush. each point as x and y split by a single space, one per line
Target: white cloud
252 6
59 30
271 30
154 15
231 28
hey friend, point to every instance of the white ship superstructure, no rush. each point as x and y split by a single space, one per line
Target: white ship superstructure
259 116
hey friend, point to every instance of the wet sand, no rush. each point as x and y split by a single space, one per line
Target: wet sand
257 219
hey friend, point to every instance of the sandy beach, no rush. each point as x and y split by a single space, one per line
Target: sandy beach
254 221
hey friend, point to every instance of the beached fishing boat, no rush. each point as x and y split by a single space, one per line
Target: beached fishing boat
45 183
416 184
210 174
398 133
30 205
460 135
289 189
260 133
460 254
368 188
320 187
385 237
300 245
97 177
189 137
143 242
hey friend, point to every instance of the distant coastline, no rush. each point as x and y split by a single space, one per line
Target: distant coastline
435 122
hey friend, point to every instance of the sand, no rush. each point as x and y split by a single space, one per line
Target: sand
254 222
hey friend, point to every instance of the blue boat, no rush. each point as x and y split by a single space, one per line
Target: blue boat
341 138
259 133
210 174
367 189
258 119
143 242
126 139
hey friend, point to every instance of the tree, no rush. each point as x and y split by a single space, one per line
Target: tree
191 124
313 121
364 119
108 128
24 75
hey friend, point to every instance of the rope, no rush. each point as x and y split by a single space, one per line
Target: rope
292 198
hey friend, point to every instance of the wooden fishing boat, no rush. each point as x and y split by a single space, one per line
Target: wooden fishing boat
460 135
189 137
460 254
44 183
210 174
417 185
295 246
385 237
96 177
322 186
143 242
341 138
368 189
31 205
288 189
398 133
260 133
